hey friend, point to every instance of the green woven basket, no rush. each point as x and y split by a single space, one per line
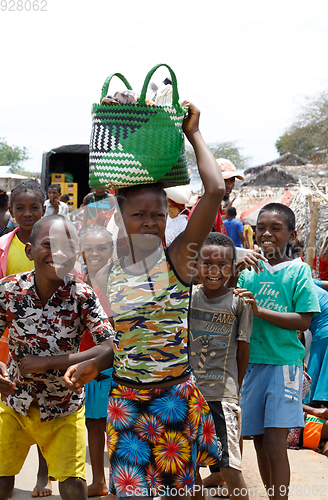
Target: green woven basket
136 143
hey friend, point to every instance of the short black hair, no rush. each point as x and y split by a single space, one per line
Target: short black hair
95 229
221 240
27 186
3 198
232 211
283 210
55 186
123 193
48 219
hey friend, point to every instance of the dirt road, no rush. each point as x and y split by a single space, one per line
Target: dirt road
309 476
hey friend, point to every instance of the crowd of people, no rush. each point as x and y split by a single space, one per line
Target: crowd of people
181 349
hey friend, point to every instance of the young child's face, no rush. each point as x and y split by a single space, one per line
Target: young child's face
214 266
272 234
96 250
55 249
27 208
144 216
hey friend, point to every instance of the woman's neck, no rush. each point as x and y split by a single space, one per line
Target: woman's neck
139 261
23 235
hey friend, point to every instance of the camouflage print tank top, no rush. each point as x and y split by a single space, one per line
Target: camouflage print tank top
150 311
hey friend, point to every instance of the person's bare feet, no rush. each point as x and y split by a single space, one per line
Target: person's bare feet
97 489
43 488
214 479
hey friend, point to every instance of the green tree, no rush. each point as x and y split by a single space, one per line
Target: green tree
309 132
12 156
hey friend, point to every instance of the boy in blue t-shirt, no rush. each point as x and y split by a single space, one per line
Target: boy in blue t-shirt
283 299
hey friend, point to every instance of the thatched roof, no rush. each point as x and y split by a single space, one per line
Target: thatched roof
288 159
271 176
299 205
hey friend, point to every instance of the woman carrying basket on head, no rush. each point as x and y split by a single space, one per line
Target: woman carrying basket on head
159 425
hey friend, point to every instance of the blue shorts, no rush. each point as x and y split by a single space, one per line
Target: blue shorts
271 396
96 395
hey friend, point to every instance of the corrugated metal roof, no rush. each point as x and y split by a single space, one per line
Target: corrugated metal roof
6 173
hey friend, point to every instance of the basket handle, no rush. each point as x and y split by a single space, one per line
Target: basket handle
104 89
175 97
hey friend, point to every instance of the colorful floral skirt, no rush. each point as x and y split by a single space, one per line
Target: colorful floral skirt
156 438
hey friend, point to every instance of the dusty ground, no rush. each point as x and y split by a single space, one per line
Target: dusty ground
309 475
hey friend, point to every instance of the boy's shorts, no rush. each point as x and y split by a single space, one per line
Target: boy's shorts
271 396
61 440
96 395
312 431
227 419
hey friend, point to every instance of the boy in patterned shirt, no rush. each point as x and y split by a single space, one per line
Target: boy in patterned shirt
47 311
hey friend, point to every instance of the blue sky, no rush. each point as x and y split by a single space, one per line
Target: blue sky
246 65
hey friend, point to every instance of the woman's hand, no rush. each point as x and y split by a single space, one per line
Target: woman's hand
191 121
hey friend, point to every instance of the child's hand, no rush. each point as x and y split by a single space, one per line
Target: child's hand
243 292
78 375
191 121
251 260
33 364
6 385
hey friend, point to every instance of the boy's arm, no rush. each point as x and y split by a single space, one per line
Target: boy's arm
324 285
245 326
184 249
290 321
41 364
242 360
77 376
317 412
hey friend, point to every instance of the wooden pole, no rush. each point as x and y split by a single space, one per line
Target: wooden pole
312 243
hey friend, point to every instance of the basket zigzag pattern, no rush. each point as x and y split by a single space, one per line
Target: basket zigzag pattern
108 162
112 135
